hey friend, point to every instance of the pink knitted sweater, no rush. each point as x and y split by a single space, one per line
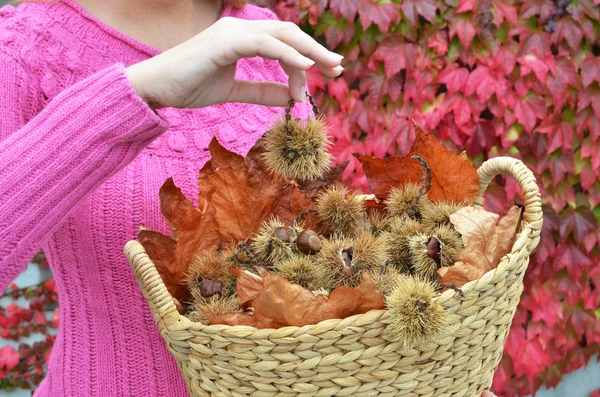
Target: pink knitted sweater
81 161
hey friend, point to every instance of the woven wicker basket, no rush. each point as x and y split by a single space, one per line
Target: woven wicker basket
353 356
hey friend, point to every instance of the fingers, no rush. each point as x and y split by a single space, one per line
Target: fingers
283 41
487 394
267 93
296 82
267 46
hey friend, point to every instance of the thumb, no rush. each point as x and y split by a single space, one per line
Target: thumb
487 394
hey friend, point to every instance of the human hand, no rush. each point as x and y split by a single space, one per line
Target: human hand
200 72
487 394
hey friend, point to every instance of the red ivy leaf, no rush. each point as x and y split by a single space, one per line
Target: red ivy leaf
462 26
9 358
587 119
346 8
481 81
560 133
580 222
413 8
566 29
590 96
382 14
395 54
528 110
570 256
590 70
454 77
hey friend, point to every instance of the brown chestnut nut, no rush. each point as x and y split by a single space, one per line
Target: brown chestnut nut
308 242
282 234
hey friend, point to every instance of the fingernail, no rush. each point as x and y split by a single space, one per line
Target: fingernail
309 62
338 55
339 69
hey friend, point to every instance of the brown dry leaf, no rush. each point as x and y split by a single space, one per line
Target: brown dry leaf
283 303
291 201
194 230
331 177
249 286
240 201
486 241
161 249
454 178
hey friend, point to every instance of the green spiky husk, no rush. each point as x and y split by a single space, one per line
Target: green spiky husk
395 241
339 210
437 214
450 245
213 306
297 149
385 279
267 249
304 271
344 259
208 267
401 201
415 319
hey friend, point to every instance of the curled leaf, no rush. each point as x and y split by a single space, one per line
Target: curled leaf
249 286
454 177
282 303
486 241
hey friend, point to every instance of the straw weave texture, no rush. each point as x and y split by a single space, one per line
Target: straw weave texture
353 356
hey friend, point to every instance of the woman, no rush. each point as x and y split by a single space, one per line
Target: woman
101 101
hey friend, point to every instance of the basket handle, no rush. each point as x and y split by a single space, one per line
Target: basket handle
532 216
151 283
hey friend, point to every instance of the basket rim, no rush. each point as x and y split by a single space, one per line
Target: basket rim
525 241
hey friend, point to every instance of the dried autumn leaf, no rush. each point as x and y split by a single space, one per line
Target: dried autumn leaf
282 303
292 201
161 249
331 177
486 241
240 201
454 177
249 286
194 230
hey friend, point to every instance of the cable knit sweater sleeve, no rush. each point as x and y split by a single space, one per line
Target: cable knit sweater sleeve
55 160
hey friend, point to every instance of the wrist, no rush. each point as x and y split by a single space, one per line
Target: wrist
138 79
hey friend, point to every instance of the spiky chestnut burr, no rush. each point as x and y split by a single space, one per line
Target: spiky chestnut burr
298 149
203 308
438 213
207 275
339 210
408 201
385 279
303 271
395 242
415 319
430 251
343 259
268 247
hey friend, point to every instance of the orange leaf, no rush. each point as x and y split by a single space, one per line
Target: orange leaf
291 201
249 286
454 178
194 230
161 249
284 303
486 241
331 177
240 201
